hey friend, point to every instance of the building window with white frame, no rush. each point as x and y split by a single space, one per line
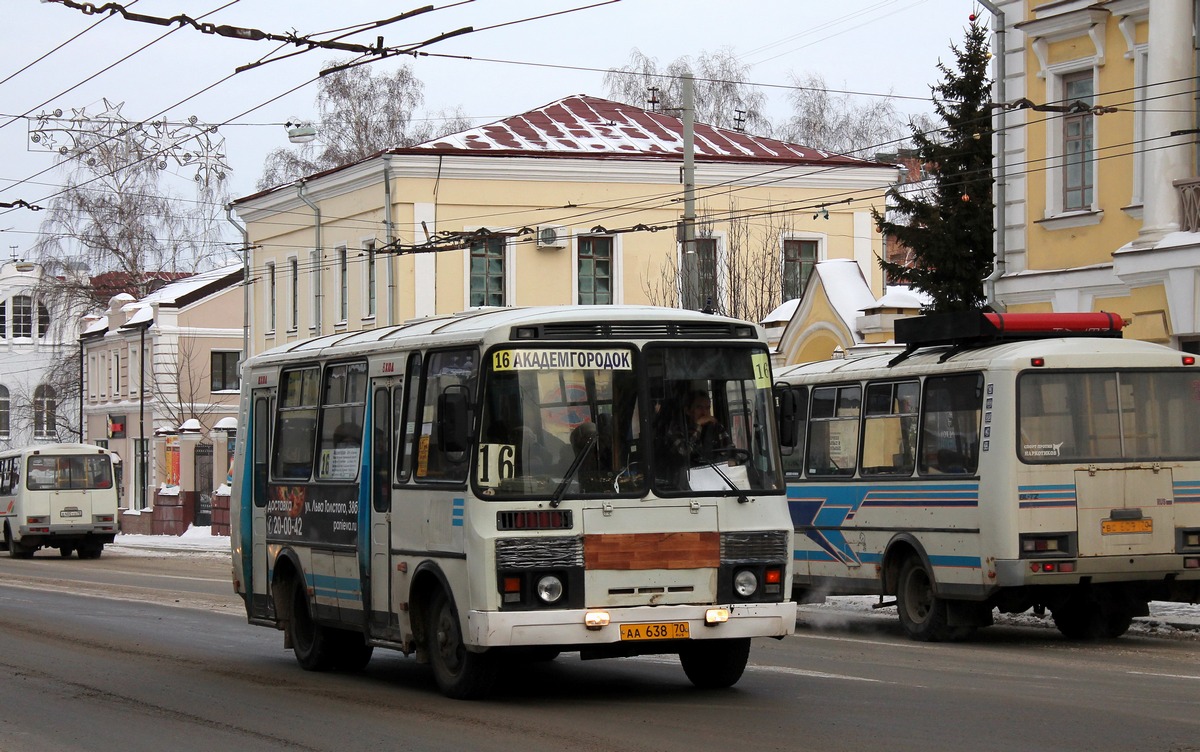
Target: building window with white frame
271 296
5 412
595 270
799 260
1078 131
315 261
294 324
45 406
4 319
372 272
116 375
225 377
343 284
22 316
702 258
487 272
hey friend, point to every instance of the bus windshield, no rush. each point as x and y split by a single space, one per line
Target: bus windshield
706 430
1108 415
69 472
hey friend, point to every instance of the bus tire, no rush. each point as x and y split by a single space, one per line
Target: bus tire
924 616
715 664
351 651
1082 618
65 551
16 549
308 638
91 550
459 673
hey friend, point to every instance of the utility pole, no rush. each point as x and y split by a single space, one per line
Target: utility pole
691 290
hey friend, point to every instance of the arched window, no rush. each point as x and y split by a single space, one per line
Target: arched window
44 406
4 412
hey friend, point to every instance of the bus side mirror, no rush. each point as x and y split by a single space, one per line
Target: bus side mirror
454 417
787 411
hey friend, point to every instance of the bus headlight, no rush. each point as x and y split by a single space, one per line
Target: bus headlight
549 589
745 583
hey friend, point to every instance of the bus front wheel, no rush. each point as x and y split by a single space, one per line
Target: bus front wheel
460 674
715 664
924 616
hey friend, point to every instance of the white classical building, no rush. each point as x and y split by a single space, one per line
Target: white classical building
33 337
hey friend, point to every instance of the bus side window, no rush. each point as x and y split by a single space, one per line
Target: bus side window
405 423
951 413
890 429
381 446
449 369
833 430
296 426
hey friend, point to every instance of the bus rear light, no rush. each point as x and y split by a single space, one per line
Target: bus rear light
1037 362
39 529
594 620
38 520
102 518
1064 567
1191 562
1189 360
1038 545
1191 538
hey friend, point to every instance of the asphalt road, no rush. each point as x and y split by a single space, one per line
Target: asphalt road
149 653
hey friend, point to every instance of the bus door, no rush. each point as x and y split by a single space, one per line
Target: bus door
258 587
1125 511
375 546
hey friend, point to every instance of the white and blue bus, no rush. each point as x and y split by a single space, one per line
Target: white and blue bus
495 484
1000 461
58 496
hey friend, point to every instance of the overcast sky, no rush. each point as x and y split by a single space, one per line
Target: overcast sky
869 46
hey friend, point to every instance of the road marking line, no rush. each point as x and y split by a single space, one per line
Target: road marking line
1165 676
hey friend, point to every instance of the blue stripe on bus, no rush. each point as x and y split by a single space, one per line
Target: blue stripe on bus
1186 491
819 512
868 557
458 512
331 586
1046 496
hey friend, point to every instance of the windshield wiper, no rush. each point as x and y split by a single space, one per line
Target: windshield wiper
741 495
556 499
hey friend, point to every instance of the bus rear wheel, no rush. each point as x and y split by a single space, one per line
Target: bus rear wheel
924 616
91 550
1083 618
715 664
459 673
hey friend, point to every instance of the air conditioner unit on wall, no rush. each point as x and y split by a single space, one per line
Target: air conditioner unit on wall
552 236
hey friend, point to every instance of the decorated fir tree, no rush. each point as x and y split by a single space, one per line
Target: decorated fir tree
949 228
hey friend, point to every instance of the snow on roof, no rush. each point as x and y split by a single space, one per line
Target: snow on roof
903 296
783 313
846 289
175 290
581 125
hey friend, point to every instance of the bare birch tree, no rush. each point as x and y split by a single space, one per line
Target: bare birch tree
361 113
839 123
748 270
722 97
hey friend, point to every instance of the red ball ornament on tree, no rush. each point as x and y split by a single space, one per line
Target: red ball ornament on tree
971 17
966 197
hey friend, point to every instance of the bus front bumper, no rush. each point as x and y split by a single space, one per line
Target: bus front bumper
628 624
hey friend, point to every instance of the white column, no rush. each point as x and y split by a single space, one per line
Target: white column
1168 109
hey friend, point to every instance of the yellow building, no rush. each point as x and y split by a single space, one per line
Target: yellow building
574 202
1100 175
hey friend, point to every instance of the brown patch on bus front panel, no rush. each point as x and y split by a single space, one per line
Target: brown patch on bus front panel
652 551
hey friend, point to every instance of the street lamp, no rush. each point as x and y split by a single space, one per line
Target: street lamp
300 132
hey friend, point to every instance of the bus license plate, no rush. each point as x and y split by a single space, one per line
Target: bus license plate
71 512
1112 527
666 630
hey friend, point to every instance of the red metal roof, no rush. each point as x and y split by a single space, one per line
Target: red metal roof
580 126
